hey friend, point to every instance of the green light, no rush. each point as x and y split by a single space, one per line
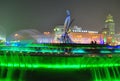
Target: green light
109 18
105 51
117 51
113 40
112 79
105 40
56 66
62 63
57 62
97 66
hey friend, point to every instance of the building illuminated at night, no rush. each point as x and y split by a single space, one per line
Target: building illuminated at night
105 36
78 35
117 39
86 37
109 31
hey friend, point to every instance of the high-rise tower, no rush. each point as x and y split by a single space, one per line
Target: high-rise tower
110 30
110 25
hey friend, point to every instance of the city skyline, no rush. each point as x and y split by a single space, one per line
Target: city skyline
44 15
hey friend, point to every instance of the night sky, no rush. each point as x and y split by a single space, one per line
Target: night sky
44 15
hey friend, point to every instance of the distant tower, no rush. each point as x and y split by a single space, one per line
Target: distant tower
110 32
110 25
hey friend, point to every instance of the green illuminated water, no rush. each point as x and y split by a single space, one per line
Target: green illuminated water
14 67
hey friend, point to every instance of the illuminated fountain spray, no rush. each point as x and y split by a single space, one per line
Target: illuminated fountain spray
101 70
16 61
2 34
28 34
20 60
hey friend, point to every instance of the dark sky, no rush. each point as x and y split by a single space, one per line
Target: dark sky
44 15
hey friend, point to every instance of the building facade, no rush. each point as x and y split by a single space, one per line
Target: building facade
78 35
109 31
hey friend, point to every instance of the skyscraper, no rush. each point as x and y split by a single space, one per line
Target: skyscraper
109 30
109 23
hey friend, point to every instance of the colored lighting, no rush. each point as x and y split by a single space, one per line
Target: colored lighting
58 48
105 51
57 62
117 51
118 46
78 51
19 58
56 66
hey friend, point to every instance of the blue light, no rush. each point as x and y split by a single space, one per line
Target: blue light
78 51
7 43
118 46
110 47
15 44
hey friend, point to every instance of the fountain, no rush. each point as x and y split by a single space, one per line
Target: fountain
55 62
14 65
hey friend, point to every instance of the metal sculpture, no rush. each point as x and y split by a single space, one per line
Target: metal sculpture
65 37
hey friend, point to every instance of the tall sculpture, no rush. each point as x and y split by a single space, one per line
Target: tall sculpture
65 37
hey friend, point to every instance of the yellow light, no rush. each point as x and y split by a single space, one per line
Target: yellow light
109 18
79 36
46 33
16 35
55 29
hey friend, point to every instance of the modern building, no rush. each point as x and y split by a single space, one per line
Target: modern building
109 30
78 35
86 37
110 24
58 31
117 39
